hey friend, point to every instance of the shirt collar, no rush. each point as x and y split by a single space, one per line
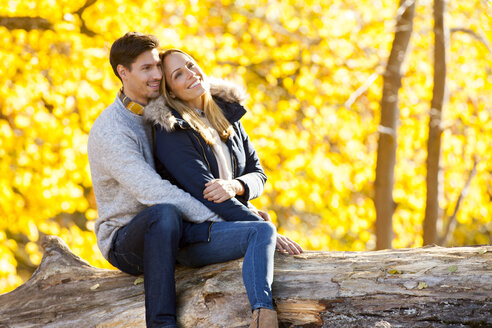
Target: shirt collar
199 112
129 104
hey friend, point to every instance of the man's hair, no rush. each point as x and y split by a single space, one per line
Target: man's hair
126 49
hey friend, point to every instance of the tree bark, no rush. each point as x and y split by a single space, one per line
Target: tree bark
386 156
433 212
426 287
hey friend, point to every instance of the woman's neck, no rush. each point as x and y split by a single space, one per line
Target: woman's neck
196 103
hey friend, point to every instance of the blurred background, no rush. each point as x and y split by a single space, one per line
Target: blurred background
314 72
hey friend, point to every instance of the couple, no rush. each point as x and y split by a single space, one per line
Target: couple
173 172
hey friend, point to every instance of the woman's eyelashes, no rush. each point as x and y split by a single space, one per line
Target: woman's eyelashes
188 65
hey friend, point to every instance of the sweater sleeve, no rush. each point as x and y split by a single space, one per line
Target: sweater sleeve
120 156
254 177
176 151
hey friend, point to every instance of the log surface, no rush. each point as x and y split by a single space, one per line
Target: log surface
424 287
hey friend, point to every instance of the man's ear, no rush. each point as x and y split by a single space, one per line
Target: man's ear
121 71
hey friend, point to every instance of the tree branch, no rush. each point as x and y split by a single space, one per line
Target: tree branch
363 88
84 29
473 34
25 23
404 5
451 224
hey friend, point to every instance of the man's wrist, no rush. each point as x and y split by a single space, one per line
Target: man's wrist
238 187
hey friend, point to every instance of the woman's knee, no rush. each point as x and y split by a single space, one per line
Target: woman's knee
272 229
266 230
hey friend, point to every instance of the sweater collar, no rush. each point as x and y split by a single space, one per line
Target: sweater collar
129 104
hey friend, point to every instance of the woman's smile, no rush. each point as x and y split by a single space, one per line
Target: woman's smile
195 84
184 78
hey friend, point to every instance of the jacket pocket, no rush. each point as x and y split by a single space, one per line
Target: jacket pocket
195 233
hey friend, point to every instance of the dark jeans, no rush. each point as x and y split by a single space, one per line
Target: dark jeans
157 237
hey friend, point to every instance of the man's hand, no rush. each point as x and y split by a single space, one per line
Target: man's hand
220 190
264 215
284 244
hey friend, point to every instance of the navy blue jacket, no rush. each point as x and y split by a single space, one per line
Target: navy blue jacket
184 158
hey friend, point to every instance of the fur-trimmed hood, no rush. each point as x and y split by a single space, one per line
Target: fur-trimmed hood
159 112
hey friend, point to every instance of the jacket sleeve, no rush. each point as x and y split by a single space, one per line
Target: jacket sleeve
176 151
254 177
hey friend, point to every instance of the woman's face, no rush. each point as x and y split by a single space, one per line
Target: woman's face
184 79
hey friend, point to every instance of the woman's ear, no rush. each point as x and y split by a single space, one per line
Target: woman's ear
172 95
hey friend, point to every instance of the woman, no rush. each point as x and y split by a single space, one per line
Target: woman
202 147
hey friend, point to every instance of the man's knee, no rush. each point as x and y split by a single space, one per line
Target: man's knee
166 209
165 217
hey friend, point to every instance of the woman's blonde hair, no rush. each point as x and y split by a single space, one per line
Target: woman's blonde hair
212 111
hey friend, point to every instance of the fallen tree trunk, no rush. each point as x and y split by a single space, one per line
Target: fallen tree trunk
425 287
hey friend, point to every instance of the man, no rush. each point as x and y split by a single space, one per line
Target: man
143 219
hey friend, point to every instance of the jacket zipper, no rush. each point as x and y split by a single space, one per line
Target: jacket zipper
209 231
203 150
235 164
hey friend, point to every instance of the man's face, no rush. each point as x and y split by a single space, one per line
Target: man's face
141 82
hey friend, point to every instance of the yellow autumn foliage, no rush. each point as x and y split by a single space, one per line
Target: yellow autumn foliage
301 62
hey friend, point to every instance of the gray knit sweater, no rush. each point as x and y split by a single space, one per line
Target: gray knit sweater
123 175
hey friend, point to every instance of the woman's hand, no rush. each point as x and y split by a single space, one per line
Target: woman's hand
219 190
284 244
287 246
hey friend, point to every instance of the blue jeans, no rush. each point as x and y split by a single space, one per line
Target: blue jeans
157 237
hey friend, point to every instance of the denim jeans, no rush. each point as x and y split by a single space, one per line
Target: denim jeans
157 237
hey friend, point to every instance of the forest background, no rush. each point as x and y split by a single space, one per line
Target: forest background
314 73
